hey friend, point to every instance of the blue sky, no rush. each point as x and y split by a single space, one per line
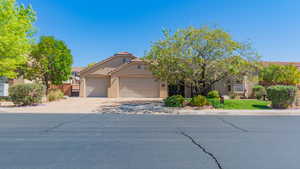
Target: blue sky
96 29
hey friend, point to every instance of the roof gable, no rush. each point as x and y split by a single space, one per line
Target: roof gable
129 64
101 68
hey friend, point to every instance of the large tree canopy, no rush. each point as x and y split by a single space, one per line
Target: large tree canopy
50 61
15 32
200 57
275 74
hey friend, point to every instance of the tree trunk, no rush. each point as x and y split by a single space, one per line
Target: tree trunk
46 81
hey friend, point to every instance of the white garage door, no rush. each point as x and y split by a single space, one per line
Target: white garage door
139 87
96 87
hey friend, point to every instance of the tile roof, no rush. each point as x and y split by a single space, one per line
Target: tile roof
108 59
77 69
297 64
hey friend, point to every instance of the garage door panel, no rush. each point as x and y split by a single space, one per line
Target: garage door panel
139 87
96 87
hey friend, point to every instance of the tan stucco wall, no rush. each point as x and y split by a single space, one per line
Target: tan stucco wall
250 83
113 63
187 90
21 80
132 70
113 89
82 87
163 91
222 86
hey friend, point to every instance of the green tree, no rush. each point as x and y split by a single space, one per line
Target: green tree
201 58
50 62
91 64
16 31
275 74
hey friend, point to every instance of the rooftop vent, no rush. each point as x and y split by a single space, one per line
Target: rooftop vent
123 53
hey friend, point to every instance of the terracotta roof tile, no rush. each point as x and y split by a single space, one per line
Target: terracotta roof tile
77 69
297 64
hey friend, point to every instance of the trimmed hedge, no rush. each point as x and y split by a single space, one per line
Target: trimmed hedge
282 97
174 101
214 94
259 92
199 101
26 94
55 94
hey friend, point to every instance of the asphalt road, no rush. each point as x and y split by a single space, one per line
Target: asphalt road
94 141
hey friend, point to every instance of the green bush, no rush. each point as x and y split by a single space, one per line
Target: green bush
5 98
216 103
259 92
55 94
214 94
174 101
26 94
199 101
233 95
282 97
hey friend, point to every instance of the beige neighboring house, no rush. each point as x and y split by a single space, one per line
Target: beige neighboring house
121 75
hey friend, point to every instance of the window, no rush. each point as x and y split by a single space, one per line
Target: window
139 67
125 60
229 88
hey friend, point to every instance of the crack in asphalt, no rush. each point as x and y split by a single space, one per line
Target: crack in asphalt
203 149
48 130
232 125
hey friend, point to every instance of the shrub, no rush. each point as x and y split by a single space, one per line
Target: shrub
282 97
233 95
174 101
274 74
55 94
4 98
26 94
199 101
216 103
214 94
259 92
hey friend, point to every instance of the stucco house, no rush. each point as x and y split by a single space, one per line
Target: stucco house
121 75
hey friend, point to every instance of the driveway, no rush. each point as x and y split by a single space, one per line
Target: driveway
130 106
112 141
78 105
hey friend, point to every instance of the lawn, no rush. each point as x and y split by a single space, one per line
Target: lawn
246 104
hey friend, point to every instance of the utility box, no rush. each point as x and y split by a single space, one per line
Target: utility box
3 87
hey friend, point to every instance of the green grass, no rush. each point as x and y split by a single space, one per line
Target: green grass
239 104
246 104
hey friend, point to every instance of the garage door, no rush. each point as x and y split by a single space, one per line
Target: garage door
96 87
139 87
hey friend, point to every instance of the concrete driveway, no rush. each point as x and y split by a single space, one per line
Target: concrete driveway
130 106
77 105
112 141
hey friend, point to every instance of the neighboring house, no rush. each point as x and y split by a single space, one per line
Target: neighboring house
71 87
3 87
121 75
75 78
297 64
242 87
5 83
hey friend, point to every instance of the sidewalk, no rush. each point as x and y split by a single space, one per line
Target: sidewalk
294 112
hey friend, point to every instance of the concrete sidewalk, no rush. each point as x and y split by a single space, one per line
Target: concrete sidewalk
294 112
75 105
